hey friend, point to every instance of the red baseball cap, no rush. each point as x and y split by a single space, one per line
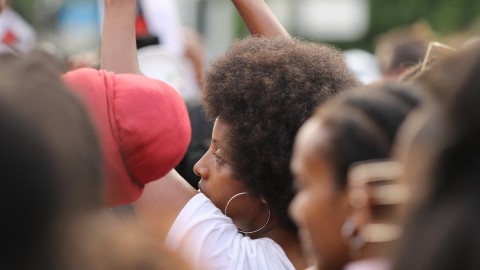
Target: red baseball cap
143 125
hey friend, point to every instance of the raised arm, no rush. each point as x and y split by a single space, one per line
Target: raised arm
119 49
259 19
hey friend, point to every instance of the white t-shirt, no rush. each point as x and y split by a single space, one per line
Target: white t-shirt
209 240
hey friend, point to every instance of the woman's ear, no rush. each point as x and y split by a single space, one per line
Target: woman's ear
360 207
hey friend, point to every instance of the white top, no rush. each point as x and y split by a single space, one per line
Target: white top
209 240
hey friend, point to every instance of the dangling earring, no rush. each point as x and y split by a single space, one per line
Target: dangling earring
244 232
354 240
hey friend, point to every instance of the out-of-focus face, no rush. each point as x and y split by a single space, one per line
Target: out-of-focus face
319 207
219 185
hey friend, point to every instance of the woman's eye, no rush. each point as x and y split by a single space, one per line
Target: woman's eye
218 158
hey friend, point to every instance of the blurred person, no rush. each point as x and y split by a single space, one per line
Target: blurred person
439 148
50 161
139 146
435 52
30 194
162 20
52 197
63 122
357 126
403 55
16 35
401 48
166 50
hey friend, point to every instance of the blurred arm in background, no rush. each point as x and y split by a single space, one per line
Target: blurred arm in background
119 49
259 19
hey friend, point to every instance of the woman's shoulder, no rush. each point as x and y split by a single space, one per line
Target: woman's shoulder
205 236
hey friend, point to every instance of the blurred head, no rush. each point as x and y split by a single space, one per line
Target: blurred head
359 125
29 193
62 120
400 48
439 149
436 51
260 92
50 160
405 54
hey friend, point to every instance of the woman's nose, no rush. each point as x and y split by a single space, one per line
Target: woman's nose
200 168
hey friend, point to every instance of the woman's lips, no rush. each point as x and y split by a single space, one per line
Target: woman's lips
200 186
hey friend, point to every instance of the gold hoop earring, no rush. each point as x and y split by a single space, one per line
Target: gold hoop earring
239 230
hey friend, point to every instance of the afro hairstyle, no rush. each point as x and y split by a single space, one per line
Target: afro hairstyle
265 89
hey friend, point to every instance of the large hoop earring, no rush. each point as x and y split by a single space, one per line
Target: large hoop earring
250 232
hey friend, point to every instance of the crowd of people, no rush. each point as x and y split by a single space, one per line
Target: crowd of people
304 167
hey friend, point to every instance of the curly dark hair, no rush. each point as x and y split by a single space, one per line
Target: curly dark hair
265 89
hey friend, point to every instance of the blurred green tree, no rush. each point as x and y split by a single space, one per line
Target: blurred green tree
444 16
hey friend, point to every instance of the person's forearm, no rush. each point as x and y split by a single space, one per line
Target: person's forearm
119 49
161 202
259 19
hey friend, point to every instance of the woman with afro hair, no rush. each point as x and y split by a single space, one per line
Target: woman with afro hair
259 93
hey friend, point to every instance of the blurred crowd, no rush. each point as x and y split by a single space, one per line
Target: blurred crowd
279 154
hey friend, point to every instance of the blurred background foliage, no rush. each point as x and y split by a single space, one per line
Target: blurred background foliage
445 17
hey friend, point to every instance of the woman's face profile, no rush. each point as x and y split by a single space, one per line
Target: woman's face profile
219 185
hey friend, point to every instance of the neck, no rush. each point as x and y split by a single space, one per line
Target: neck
286 239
